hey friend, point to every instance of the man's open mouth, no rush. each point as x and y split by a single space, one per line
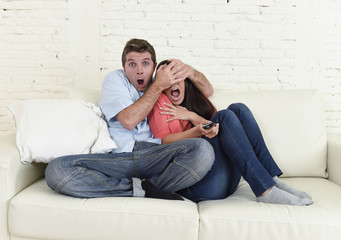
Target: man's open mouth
140 81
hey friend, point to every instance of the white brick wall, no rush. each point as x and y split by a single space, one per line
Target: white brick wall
47 46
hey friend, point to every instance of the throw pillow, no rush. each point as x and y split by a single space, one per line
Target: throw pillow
49 128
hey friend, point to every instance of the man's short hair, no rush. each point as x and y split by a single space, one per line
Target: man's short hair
138 45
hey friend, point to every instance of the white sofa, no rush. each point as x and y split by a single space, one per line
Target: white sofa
293 125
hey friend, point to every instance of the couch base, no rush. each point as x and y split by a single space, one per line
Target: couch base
241 217
39 213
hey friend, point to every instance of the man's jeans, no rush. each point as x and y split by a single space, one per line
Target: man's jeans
240 150
170 167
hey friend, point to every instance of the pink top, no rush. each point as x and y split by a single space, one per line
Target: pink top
157 122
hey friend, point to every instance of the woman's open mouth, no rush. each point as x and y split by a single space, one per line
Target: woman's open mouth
176 94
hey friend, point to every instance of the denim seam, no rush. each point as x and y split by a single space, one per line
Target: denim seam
190 170
80 170
241 152
102 179
135 159
167 150
68 178
74 163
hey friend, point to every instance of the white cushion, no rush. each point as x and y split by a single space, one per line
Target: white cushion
40 213
49 128
293 126
241 217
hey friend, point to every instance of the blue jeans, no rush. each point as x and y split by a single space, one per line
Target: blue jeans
170 167
240 150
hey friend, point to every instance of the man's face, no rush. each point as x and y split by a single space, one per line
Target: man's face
139 68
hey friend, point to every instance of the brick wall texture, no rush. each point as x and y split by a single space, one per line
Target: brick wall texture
50 46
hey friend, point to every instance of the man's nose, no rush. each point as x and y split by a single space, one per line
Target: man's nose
139 69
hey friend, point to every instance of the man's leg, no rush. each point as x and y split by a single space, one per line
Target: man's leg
169 167
92 175
175 166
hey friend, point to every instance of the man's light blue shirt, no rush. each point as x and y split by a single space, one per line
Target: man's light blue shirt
117 94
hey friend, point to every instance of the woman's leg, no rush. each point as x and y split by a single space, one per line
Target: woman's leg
240 152
221 181
255 138
215 185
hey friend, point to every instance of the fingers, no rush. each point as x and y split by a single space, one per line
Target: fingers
171 119
210 133
180 70
183 70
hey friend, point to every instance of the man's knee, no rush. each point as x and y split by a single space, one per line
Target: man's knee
205 156
53 173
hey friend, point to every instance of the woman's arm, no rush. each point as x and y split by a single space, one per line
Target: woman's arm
196 131
171 124
173 137
181 113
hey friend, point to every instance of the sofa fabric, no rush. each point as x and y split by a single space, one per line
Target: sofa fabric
293 126
40 213
241 217
292 122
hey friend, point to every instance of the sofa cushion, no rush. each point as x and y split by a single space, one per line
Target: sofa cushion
241 217
49 128
297 141
39 213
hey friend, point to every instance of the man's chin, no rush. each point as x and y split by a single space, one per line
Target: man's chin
141 88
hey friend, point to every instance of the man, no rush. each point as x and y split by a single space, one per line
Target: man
140 166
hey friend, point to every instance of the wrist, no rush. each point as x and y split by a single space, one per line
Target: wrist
193 74
196 119
156 87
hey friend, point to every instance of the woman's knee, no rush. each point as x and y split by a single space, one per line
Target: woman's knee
222 114
238 107
226 118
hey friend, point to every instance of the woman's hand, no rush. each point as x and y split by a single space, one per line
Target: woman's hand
177 112
209 133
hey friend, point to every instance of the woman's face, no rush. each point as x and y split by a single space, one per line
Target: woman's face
176 93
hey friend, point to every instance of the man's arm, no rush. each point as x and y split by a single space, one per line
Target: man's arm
201 82
131 116
197 78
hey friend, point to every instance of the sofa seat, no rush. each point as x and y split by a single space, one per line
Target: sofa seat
241 217
39 213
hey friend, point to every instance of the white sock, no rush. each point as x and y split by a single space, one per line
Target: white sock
282 185
278 196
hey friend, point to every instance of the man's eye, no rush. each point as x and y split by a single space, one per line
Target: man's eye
145 63
132 64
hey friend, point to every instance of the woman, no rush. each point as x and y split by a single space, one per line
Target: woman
239 147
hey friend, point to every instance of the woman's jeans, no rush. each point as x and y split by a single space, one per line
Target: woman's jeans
170 167
240 150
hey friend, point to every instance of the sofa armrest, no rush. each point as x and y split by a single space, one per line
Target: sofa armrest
14 176
334 157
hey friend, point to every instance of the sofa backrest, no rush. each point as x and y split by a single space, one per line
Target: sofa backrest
292 123
293 126
88 95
